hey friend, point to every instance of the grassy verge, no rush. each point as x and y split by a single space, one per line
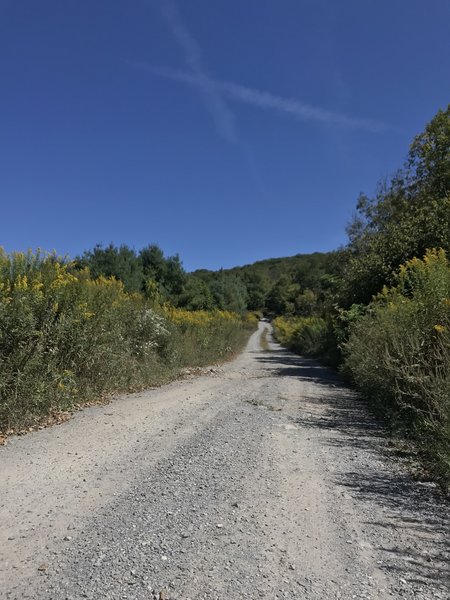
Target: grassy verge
398 355
202 337
67 339
309 336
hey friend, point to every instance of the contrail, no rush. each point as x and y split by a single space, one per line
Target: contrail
216 105
215 102
269 101
265 100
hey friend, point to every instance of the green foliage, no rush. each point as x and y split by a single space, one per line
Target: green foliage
279 299
398 354
160 278
303 269
257 285
206 336
429 158
411 227
168 272
196 295
305 304
308 272
387 309
229 292
121 263
66 338
272 285
409 214
304 335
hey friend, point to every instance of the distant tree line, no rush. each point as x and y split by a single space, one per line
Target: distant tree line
293 285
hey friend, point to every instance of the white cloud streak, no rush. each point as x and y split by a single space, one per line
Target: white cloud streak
269 101
214 101
266 100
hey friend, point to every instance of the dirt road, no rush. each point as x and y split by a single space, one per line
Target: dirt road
265 478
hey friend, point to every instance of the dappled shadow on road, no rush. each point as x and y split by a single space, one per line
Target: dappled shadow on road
410 519
330 403
412 510
285 364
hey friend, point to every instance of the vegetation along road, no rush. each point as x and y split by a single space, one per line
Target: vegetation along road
263 478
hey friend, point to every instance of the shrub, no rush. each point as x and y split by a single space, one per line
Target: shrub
205 336
304 335
398 354
66 338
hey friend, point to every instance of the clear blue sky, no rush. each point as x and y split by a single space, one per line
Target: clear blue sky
227 131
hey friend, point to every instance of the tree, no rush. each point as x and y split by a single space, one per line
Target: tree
278 299
229 292
305 303
429 158
119 262
167 273
257 288
196 295
408 215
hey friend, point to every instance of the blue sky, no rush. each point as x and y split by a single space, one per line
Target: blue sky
227 131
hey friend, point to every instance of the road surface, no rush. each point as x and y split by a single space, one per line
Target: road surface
264 478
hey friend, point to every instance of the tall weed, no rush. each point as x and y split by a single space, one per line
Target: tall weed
310 336
66 338
398 354
206 336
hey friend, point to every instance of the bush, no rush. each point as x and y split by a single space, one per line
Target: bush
304 335
202 337
66 338
398 354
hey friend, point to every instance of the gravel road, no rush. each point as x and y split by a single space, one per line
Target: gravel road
263 478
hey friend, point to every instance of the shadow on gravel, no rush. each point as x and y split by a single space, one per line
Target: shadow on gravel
285 364
414 508
349 428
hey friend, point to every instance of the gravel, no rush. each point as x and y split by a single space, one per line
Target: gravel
264 478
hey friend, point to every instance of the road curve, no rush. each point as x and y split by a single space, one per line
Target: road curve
265 478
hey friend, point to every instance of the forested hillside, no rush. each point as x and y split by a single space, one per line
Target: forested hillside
275 286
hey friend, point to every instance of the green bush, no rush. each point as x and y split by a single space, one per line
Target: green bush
202 337
398 354
66 338
304 335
